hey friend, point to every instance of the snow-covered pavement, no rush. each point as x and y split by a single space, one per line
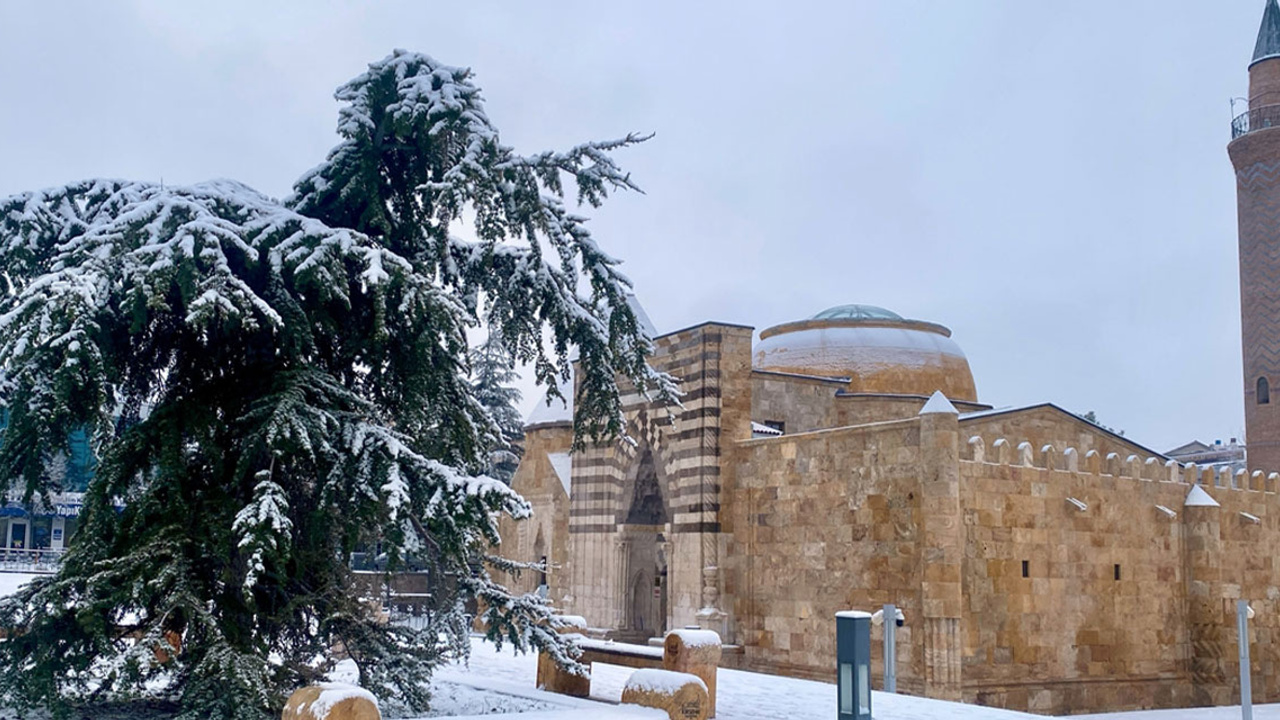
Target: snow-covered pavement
11 581
741 695
752 696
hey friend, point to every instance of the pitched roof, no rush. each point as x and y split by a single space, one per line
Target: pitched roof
1197 497
938 404
562 463
980 414
555 411
1195 446
1268 45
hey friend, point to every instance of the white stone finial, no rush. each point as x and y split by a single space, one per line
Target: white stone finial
938 405
1199 498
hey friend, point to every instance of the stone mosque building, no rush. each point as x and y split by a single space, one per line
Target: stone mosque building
847 460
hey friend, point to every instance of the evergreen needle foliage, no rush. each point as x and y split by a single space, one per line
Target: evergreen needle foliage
492 374
271 385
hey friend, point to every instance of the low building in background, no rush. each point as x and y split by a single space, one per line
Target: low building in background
1230 456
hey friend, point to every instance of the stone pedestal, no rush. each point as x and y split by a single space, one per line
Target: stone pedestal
1207 620
943 540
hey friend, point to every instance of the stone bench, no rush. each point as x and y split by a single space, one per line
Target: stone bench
681 695
696 652
331 701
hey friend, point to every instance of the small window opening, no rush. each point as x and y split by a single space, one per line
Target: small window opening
1264 391
542 572
779 425
1026 568
1117 570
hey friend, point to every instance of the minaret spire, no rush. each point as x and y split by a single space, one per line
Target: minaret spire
1268 45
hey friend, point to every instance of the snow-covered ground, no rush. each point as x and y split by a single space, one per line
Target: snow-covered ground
499 684
11 581
740 696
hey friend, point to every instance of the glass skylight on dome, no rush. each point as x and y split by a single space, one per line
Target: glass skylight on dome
857 312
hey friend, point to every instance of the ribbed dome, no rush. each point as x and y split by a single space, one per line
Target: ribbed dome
856 312
877 349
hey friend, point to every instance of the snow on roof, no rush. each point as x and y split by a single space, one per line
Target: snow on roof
1036 406
557 411
762 429
1199 498
938 405
562 463
642 317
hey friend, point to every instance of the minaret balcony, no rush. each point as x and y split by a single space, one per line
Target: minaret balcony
1259 118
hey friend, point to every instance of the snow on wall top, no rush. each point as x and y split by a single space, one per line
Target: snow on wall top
662 681
562 463
333 693
576 621
697 638
556 411
762 430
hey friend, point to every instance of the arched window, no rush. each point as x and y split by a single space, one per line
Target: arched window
1264 391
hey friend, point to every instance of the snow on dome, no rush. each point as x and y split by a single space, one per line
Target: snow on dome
857 312
556 411
876 349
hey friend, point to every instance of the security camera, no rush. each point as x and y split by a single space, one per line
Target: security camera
877 617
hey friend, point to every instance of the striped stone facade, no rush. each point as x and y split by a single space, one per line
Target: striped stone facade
617 556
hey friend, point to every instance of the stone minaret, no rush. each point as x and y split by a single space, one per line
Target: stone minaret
1255 153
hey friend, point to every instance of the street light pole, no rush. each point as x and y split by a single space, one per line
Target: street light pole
1246 684
890 648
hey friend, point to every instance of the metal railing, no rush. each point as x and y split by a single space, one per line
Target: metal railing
40 560
1259 118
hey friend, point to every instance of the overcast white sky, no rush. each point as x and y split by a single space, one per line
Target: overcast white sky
1049 180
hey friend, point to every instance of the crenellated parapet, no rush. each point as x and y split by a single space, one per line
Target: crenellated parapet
1132 466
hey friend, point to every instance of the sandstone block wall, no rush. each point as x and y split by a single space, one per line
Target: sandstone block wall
1127 595
547 531
1123 605
803 403
823 522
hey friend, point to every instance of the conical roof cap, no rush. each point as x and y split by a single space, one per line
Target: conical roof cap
1268 45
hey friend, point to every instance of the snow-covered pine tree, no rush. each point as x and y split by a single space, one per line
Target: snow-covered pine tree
269 386
492 374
